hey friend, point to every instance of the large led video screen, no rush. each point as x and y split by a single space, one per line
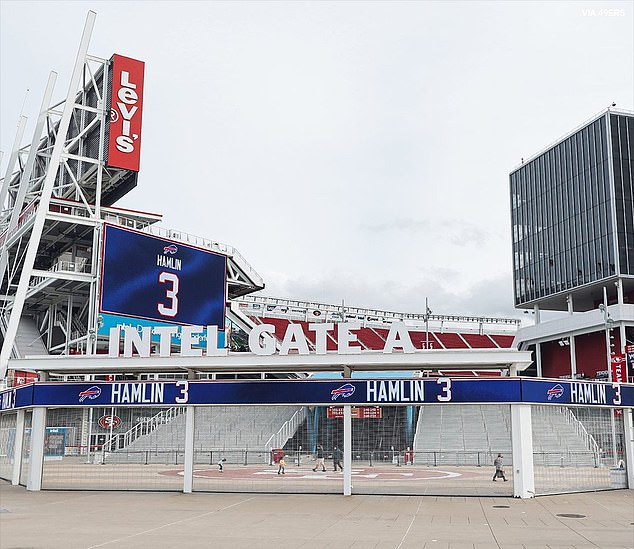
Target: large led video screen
151 278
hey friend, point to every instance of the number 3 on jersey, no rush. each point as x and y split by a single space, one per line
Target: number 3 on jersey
171 293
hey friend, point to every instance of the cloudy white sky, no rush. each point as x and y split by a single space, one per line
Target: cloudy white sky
349 150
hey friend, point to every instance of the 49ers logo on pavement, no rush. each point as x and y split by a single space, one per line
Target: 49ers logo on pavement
126 107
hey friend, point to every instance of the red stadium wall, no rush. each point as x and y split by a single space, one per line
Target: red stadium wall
590 354
555 359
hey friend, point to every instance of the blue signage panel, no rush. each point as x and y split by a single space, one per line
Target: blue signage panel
17 397
321 392
152 278
584 393
338 392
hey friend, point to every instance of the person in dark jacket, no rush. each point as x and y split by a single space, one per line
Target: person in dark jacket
337 456
499 468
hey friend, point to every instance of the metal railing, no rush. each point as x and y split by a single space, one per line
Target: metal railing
142 428
201 242
566 459
588 440
286 431
307 310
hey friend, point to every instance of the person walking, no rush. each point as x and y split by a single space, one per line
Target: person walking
337 455
320 459
282 465
499 468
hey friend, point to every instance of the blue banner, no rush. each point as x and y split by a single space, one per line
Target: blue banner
18 397
321 393
584 393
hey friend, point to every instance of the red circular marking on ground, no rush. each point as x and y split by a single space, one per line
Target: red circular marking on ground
257 472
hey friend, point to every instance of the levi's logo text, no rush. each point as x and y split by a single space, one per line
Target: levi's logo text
125 113
555 392
344 391
90 394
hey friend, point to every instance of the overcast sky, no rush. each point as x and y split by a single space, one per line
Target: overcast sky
349 150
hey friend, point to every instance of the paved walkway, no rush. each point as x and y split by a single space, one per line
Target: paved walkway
52 519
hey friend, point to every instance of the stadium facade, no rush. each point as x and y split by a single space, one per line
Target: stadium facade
148 350
572 214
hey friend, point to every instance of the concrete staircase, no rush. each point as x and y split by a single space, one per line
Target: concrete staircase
28 340
226 430
475 434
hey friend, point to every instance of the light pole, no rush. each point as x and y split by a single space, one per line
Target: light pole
426 317
609 324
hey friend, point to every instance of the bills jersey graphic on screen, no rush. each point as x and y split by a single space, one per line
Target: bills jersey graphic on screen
158 279
167 260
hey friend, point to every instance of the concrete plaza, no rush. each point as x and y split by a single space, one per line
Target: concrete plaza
115 519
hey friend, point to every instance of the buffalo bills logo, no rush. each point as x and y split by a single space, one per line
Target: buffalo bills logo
171 249
91 393
555 392
344 391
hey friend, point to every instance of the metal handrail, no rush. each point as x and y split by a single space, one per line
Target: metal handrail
209 244
590 442
269 305
286 431
143 428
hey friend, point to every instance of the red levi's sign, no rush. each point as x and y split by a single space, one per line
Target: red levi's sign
126 108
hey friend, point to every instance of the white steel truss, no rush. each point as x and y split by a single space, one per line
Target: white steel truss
51 215
54 199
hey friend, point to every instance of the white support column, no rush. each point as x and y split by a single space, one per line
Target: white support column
188 473
45 198
522 443
573 357
538 359
25 178
38 430
15 151
537 315
628 441
18 447
347 450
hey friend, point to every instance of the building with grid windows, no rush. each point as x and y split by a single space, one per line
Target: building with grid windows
572 215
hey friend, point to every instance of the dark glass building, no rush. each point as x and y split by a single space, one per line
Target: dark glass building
572 214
